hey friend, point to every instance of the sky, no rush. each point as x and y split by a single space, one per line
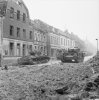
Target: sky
78 16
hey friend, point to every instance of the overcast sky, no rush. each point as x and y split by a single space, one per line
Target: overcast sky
78 16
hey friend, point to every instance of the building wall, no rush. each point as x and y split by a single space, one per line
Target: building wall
26 38
54 45
13 21
6 48
22 36
40 41
59 41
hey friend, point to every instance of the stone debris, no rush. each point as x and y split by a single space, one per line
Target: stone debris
50 82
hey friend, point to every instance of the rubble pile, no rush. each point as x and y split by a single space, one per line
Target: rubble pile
94 63
41 83
47 81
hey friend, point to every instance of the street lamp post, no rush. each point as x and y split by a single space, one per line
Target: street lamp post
97 46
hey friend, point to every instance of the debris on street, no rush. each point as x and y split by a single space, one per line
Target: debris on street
45 82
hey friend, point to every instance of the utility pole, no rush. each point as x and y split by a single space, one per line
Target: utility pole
97 45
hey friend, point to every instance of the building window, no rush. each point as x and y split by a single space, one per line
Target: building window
5 52
44 38
38 37
18 49
68 42
34 36
44 50
41 38
35 47
24 50
11 30
55 40
50 39
24 17
30 35
11 49
11 12
18 32
61 41
24 33
64 42
2 8
30 48
18 15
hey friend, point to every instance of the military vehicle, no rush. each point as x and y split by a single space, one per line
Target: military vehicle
73 55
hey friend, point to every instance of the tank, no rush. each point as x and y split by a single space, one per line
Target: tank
73 55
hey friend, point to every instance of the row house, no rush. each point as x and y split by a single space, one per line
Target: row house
17 33
20 35
67 41
54 40
59 40
40 40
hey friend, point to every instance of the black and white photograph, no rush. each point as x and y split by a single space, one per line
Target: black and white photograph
49 49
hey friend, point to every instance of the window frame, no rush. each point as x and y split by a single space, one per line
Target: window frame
11 30
18 32
24 33
24 17
18 14
30 35
11 12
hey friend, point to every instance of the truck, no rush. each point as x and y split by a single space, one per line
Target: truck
74 55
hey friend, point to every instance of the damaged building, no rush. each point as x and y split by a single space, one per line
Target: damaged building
19 36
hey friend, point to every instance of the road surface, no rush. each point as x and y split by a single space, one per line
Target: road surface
88 57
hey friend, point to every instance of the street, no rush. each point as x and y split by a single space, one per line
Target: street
88 57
